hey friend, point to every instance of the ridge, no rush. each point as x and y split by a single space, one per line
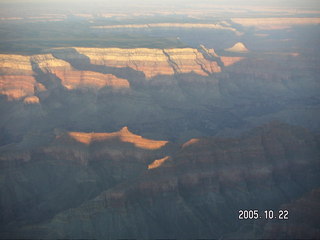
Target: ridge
123 135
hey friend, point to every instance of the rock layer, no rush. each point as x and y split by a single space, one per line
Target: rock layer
72 78
203 186
16 80
275 23
123 135
152 62
228 61
238 47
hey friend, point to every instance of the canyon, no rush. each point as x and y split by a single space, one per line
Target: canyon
199 182
17 72
158 120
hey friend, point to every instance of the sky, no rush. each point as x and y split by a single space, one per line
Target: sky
145 5
287 3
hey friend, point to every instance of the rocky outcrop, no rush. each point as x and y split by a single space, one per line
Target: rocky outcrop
15 65
31 100
202 186
228 61
16 76
152 62
72 78
123 135
157 163
238 48
81 147
188 60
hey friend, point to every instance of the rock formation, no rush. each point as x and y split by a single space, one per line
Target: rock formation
152 62
228 61
16 80
72 78
31 100
238 48
157 163
123 135
219 26
201 186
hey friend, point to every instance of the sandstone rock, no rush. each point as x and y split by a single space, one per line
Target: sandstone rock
238 47
229 61
123 135
72 79
31 100
152 62
206 184
15 64
17 86
188 60
158 162
16 80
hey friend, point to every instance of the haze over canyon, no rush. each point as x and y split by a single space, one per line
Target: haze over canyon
151 120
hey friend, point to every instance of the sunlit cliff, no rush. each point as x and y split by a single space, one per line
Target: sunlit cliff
19 74
72 78
123 135
152 62
16 80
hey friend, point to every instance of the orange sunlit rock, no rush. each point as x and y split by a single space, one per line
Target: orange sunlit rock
31 100
73 79
157 163
16 80
191 60
123 135
81 137
15 64
152 62
40 87
190 142
228 61
16 87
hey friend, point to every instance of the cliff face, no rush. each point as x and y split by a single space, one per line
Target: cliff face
202 186
16 80
81 147
123 135
228 61
70 166
72 78
152 62
220 26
